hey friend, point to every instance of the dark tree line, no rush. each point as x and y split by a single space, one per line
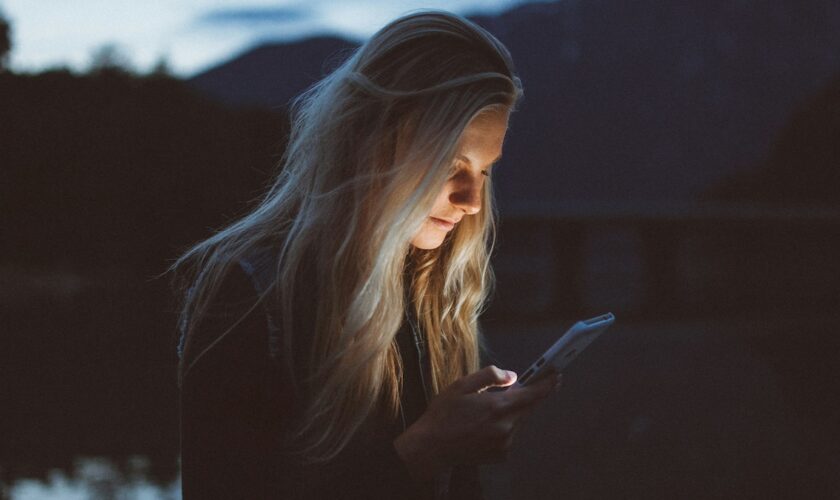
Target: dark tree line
118 170
5 41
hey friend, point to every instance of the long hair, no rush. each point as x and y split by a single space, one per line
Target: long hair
347 201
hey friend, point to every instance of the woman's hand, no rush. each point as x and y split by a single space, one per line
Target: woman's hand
465 423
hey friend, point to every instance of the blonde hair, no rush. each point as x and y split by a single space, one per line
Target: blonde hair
347 202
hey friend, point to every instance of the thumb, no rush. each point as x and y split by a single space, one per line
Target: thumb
489 376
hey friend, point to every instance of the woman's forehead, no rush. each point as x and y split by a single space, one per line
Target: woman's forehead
483 138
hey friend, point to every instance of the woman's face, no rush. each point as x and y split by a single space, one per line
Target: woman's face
479 147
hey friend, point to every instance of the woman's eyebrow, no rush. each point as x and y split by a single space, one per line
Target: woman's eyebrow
462 157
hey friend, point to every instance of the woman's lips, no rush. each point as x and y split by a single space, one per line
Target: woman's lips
443 224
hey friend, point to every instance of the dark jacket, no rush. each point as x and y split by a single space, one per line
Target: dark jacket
236 399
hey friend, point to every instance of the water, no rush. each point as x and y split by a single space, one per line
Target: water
96 478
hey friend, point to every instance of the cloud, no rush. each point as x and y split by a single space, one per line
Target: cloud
253 16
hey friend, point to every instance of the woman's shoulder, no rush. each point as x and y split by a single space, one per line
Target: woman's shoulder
233 305
244 281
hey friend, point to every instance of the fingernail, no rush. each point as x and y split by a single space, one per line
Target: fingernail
510 375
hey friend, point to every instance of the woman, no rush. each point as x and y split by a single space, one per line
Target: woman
330 343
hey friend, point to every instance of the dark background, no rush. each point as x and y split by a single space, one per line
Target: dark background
675 164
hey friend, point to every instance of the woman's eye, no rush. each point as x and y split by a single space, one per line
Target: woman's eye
456 167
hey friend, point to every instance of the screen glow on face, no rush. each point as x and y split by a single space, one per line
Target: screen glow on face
479 148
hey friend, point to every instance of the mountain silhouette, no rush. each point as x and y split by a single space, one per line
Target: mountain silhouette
624 102
270 75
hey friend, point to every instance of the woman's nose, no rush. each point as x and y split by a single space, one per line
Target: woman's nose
467 194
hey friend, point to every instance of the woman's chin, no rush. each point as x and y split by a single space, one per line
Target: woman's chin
428 240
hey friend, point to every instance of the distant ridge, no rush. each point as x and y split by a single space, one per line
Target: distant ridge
627 101
270 75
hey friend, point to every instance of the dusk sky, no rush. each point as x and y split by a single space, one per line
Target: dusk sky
192 34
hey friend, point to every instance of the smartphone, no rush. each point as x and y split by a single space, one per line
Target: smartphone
567 347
